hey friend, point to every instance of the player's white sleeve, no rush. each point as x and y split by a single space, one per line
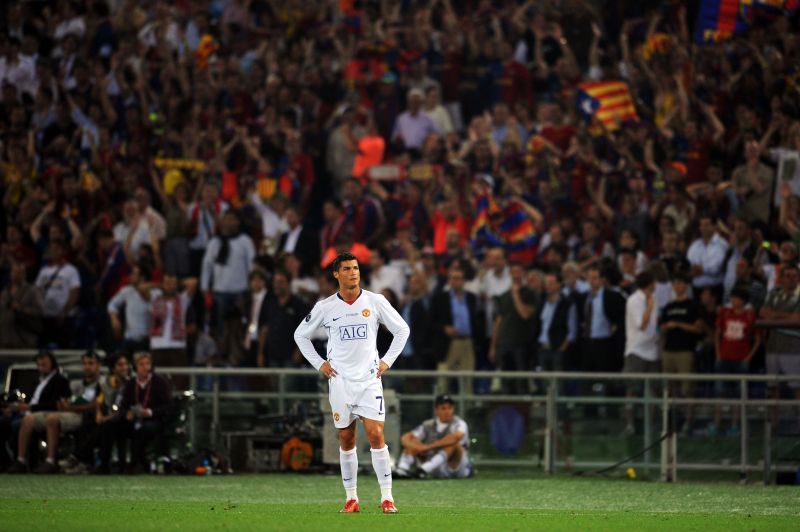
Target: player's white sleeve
396 325
302 336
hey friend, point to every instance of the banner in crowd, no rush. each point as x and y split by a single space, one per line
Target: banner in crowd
609 102
507 225
718 20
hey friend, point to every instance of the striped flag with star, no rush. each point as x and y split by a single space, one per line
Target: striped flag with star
610 102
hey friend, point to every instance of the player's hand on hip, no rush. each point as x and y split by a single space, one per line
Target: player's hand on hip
383 367
327 370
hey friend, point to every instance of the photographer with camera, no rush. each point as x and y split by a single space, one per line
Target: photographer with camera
26 418
146 400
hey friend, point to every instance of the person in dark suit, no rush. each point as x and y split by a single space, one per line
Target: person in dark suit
302 242
603 331
556 325
416 310
146 403
27 418
281 313
458 326
254 304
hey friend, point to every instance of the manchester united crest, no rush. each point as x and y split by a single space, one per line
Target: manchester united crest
336 417
365 313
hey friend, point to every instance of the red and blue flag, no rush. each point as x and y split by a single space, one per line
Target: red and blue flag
718 20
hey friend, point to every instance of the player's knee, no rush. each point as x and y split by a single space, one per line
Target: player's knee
51 420
375 436
347 439
347 442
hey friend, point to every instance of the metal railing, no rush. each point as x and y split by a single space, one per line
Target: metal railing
668 462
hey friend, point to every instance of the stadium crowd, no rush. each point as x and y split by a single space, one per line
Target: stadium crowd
176 176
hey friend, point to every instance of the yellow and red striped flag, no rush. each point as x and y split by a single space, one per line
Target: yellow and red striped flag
610 102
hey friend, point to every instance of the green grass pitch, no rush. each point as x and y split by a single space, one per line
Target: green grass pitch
491 501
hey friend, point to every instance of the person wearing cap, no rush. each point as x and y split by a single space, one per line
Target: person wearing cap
413 126
439 446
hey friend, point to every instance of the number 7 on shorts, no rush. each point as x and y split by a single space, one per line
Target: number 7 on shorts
380 403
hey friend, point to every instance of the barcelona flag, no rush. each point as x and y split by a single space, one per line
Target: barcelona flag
610 102
718 20
507 225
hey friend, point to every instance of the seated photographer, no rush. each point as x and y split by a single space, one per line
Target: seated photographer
27 418
146 401
86 393
73 413
438 446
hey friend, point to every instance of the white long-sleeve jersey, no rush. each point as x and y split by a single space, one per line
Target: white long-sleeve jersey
352 334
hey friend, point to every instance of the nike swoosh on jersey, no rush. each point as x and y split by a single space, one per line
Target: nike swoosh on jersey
340 317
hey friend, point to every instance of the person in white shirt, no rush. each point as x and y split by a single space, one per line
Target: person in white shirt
16 69
641 336
132 231
439 446
227 264
204 219
383 275
495 280
168 309
156 222
352 317
706 256
135 299
254 304
60 284
436 111
273 223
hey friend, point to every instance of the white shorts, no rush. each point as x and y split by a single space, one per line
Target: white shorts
463 470
351 400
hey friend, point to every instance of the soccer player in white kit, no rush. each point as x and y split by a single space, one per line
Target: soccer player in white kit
352 317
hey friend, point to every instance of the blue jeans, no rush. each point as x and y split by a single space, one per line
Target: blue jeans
729 388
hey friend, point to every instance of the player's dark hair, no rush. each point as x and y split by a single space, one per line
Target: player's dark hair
556 276
47 354
258 272
741 291
342 257
284 272
91 354
682 276
644 279
113 359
